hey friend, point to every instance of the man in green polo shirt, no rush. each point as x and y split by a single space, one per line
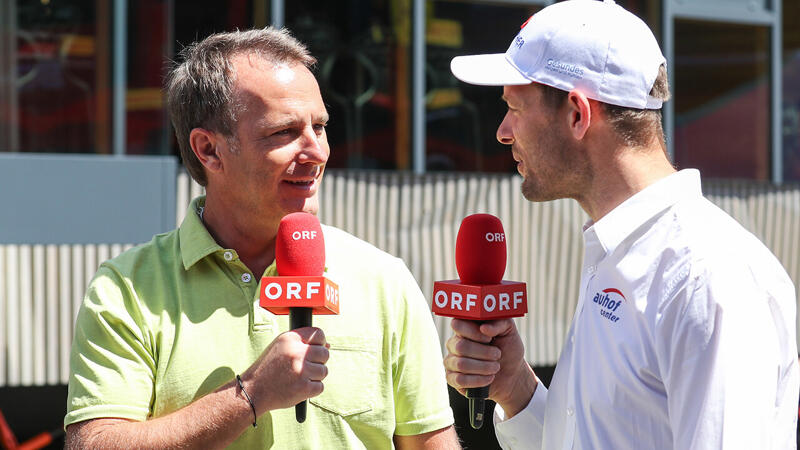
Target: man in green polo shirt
171 348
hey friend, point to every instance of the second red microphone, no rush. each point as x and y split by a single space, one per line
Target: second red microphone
480 293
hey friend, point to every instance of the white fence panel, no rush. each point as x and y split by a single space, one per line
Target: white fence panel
410 216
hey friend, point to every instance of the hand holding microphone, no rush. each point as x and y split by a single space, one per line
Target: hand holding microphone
300 290
480 295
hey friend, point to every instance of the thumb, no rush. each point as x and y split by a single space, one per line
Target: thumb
500 327
311 335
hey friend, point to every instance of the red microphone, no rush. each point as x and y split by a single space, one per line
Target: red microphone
300 290
481 293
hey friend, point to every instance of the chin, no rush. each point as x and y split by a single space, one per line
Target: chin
535 193
308 205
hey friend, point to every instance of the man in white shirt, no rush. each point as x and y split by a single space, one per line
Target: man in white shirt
676 298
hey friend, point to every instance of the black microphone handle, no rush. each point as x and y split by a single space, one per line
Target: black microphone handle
477 400
300 318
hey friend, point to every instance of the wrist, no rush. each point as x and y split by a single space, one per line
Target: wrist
520 394
243 392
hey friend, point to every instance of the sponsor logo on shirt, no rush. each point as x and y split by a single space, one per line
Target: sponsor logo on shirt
608 301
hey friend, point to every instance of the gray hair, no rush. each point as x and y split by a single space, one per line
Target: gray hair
200 89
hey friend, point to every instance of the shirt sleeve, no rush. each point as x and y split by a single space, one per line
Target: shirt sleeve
722 345
422 403
111 363
526 429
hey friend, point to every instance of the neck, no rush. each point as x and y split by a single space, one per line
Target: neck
623 173
253 241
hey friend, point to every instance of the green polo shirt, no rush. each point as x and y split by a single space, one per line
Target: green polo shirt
170 321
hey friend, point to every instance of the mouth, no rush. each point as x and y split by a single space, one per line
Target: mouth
519 164
306 183
301 183
303 186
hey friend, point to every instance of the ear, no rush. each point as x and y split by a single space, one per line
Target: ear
579 115
205 145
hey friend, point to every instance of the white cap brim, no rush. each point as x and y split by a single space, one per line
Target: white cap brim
487 70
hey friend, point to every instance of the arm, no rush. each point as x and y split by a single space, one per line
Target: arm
423 417
727 353
444 439
213 421
289 370
490 353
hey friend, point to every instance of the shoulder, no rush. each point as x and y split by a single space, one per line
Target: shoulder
363 270
708 251
131 279
713 238
160 250
344 248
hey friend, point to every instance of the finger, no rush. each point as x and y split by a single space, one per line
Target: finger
470 330
464 381
464 347
470 366
317 354
315 388
315 372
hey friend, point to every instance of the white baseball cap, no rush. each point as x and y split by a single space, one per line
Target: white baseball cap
593 46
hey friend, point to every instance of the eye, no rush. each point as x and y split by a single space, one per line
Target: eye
320 127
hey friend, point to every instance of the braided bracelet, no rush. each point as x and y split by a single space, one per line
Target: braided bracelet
252 406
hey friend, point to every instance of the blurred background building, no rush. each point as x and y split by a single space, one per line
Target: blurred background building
88 157
84 77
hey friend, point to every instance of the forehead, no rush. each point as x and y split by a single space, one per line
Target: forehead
262 86
255 74
517 95
526 95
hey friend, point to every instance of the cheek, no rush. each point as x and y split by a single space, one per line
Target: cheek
325 147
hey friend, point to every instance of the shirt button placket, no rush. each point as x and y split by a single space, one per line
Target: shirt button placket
569 429
569 420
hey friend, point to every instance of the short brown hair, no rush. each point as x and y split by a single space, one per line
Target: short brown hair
200 88
633 126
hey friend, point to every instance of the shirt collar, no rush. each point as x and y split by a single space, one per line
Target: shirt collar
195 240
623 220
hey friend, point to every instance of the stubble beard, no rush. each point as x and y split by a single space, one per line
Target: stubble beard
531 191
560 177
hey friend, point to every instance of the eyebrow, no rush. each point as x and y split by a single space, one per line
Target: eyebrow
505 99
289 121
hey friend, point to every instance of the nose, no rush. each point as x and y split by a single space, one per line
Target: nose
504 134
314 146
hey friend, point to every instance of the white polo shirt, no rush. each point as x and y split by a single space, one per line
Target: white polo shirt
683 336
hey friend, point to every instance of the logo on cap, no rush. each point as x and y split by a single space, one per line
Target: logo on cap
565 68
519 42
